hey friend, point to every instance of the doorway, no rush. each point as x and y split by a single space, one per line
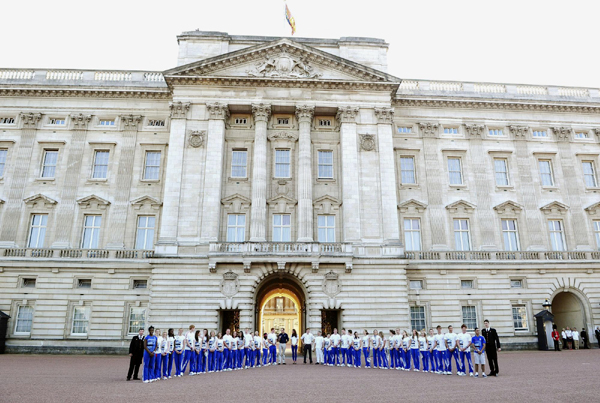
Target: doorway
229 319
568 311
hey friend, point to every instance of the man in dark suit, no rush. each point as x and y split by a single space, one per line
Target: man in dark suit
597 333
136 352
584 338
492 343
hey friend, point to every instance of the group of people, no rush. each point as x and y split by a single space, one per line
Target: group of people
207 352
571 338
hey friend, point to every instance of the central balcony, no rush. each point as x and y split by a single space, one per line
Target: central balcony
281 248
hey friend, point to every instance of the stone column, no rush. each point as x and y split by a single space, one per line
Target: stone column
16 184
304 114
387 176
120 205
350 187
258 212
66 207
167 238
213 176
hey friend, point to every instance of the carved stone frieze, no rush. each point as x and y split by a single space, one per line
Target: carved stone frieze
261 112
290 136
347 114
474 130
367 142
562 133
428 129
80 122
30 120
597 133
384 115
197 138
179 109
131 122
304 113
217 111
518 132
500 105
283 65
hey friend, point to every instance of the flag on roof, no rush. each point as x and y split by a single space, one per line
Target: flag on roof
290 19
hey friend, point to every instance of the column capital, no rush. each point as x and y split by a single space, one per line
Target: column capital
474 130
80 122
179 109
261 112
384 115
562 133
217 111
347 114
131 122
30 120
518 132
597 133
428 129
304 113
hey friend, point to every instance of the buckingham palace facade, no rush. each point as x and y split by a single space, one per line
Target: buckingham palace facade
272 181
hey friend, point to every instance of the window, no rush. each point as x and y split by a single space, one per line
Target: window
540 133
501 168
546 173
581 135
325 164
100 164
405 129
81 319
461 235
495 132
29 282
105 122
466 284
597 232
326 228
152 168
49 164
324 122
156 122
589 174
236 227
510 235
516 283
91 231
520 317
412 234
37 232
24 320
3 154
240 121
282 229
239 161
145 232
407 170
282 163
450 130
57 121
84 283
7 121
416 284
469 314
557 235
139 284
417 317
455 171
283 121
137 319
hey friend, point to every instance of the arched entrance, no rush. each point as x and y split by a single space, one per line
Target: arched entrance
568 311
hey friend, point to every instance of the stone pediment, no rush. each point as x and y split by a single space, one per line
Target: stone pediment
146 200
412 205
236 203
593 209
326 204
93 202
554 208
508 207
461 206
282 59
282 204
39 200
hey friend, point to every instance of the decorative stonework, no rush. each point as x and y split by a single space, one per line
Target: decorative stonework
212 267
282 204
384 115
93 202
562 133
555 208
597 133
236 203
247 267
594 209
347 114
130 122
315 267
412 205
367 142
509 207
518 132
331 284
217 111
179 109
460 206
493 105
261 112
283 65
474 130
80 122
327 204
289 136
428 129
196 138
230 285
281 266
40 201
304 113
30 120
348 267
146 200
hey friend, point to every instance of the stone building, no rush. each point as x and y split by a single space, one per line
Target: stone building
295 170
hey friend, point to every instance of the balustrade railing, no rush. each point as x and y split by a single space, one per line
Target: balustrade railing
17 74
501 255
64 75
41 253
280 247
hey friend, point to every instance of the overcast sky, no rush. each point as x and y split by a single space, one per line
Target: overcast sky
525 41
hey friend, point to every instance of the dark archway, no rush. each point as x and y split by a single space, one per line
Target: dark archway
568 311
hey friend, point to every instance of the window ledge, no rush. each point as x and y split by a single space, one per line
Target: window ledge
410 186
232 179
550 188
509 187
586 189
45 179
21 336
458 186
97 180
325 179
150 180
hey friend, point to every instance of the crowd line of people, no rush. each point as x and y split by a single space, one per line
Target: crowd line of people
571 338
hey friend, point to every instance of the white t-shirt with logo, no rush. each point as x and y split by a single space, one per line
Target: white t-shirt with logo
257 342
439 339
190 340
234 343
365 341
344 341
406 342
414 343
179 342
575 335
272 337
335 340
430 341
464 339
248 340
227 339
356 343
451 339
423 343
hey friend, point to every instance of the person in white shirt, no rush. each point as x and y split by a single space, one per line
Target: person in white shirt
197 351
212 352
366 342
392 347
179 352
430 341
414 350
344 347
319 348
227 341
356 344
189 347
257 347
398 349
406 350
219 353
163 346
265 349
294 342
575 334
248 343
157 356
327 349
450 338
569 334
272 337
307 340
464 345
375 341
240 351
423 348
383 361
171 340
233 352
440 352
203 363
335 346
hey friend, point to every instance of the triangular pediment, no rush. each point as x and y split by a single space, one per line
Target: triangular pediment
93 202
326 204
508 207
39 200
461 206
282 204
280 199
593 209
236 203
412 205
150 201
281 59
555 207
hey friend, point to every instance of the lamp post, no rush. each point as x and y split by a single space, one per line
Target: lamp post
547 305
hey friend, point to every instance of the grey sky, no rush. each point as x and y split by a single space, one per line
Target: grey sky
526 41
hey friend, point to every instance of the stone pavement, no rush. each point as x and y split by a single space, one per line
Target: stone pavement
527 376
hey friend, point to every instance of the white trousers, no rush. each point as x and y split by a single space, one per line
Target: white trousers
320 359
281 353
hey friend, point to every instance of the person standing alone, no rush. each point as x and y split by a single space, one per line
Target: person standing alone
136 352
282 339
307 340
492 348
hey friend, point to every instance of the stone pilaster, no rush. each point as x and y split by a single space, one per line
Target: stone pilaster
167 239
66 207
304 114
213 176
387 176
258 212
350 185
16 184
123 181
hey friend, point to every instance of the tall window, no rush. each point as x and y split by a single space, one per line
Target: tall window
49 164
24 320
91 231
557 235
510 235
236 227
520 317
326 164
3 154
145 232
81 319
597 232
546 173
501 168
137 319
282 228
455 171
282 163
100 164
417 318
152 168
239 162
37 232
469 315
326 228
462 237
407 170
412 234
589 174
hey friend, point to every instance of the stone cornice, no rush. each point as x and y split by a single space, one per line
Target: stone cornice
80 121
217 111
85 93
261 112
384 115
304 113
347 114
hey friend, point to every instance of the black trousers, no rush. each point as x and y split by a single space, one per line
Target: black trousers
556 345
307 349
585 343
492 356
134 367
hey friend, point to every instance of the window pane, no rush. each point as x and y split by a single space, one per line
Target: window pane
2 161
469 317
24 319
520 317
407 168
282 163
137 318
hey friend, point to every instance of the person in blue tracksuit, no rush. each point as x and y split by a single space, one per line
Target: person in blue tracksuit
189 349
375 340
366 342
227 340
171 340
392 347
383 361
414 350
203 355
441 352
344 344
398 348
150 347
240 351
424 351
212 351
406 350
219 353
179 352
265 349
327 349
164 355
257 348
452 345
248 344
464 348
233 353
197 351
430 342
272 337
335 346
157 356
294 343
356 345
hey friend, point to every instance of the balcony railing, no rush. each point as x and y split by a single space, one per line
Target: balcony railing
289 248
501 256
46 253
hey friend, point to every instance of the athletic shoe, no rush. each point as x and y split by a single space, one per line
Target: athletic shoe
484 375
416 370
475 376
470 374
145 381
169 377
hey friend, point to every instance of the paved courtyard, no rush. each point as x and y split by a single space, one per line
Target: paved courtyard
528 376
